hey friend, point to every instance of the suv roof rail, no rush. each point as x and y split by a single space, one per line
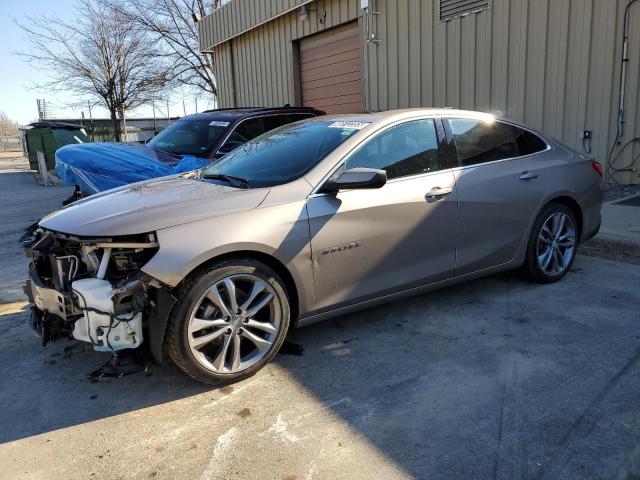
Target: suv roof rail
230 108
251 108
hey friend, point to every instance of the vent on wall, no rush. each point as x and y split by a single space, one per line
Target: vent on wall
454 8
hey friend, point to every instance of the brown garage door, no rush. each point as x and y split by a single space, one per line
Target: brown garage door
330 70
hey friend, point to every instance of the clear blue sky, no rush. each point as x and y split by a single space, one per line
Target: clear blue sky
18 99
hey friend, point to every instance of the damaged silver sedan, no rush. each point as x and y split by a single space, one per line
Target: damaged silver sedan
309 221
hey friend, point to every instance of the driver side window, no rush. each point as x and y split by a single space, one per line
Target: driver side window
410 148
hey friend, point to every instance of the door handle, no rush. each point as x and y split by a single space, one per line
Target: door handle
527 175
437 192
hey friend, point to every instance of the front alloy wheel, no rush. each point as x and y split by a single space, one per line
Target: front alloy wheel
229 321
234 323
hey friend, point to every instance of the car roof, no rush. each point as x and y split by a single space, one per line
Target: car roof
390 115
233 114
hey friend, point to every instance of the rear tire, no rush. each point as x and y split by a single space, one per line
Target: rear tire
230 320
552 244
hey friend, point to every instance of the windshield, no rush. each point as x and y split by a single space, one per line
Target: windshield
285 154
189 137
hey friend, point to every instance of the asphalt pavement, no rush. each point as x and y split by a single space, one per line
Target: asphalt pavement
493 379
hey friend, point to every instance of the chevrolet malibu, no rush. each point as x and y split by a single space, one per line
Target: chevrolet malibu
309 221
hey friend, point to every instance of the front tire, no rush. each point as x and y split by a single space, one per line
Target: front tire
552 244
230 320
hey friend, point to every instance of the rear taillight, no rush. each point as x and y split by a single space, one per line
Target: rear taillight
597 167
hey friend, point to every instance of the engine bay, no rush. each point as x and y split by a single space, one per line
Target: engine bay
90 289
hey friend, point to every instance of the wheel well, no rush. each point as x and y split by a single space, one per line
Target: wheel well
273 263
574 207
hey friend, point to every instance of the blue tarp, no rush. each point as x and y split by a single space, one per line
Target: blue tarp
95 167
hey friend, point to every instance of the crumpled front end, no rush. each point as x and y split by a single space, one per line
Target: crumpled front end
91 289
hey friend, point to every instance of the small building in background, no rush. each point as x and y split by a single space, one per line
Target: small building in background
552 64
137 129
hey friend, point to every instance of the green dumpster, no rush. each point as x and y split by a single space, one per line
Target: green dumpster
48 136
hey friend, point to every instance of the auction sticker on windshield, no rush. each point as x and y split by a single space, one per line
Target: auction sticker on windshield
350 125
217 123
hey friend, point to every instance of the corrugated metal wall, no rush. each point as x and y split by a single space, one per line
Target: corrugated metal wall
239 15
553 64
263 58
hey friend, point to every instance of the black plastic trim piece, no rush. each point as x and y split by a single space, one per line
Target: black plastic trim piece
158 323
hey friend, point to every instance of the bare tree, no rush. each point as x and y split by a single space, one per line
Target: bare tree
100 54
8 126
174 23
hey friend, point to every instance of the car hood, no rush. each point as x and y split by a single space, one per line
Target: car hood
151 205
105 151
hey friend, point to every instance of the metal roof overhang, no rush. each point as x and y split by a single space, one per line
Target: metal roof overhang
240 16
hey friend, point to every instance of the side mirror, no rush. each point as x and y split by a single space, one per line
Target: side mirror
356 179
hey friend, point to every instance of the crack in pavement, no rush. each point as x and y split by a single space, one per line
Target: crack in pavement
586 422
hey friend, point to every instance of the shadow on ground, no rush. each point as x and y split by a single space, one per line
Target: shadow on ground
497 378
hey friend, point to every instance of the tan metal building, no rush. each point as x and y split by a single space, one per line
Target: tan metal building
552 64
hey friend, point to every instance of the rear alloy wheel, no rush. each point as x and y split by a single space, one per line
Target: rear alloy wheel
231 322
552 245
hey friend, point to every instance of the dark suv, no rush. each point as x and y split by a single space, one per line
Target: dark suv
186 144
214 133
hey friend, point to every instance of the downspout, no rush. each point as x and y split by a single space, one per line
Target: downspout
623 72
617 142
233 74
369 13
365 68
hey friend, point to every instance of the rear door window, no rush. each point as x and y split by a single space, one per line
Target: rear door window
528 143
481 141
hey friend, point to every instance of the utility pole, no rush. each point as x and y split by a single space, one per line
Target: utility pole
124 125
184 107
91 122
42 108
196 104
168 116
155 126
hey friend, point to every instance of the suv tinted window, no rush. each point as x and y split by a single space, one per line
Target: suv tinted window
276 121
407 149
189 137
527 142
248 130
478 141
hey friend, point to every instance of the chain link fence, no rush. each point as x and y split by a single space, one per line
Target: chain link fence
11 143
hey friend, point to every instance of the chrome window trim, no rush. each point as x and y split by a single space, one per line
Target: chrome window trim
549 148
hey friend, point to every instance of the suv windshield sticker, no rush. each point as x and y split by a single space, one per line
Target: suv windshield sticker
216 123
349 125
